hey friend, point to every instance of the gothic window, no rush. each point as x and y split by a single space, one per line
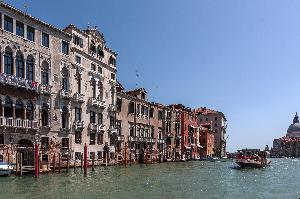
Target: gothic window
19 109
8 62
29 68
8 107
45 73
19 65
64 117
45 114
29 110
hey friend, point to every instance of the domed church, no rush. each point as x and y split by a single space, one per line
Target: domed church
289 145
294 129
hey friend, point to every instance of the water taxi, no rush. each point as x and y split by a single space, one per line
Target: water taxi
5 169
252 158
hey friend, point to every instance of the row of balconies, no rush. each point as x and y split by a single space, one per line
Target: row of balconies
141 139
18 123
19 82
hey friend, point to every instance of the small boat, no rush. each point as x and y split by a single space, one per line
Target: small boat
252 158
5 169
213 159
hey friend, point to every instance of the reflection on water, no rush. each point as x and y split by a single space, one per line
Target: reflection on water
163 181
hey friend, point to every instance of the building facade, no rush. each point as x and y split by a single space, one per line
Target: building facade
218 123
57 89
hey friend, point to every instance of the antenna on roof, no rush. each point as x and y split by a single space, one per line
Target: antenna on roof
137 76
26 7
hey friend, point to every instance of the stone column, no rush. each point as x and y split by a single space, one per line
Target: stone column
25 67
14 64
2 63
14 111
96 89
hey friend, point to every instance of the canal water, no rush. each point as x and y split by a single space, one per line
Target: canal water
201 180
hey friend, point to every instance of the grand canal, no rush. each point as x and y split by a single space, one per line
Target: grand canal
163 181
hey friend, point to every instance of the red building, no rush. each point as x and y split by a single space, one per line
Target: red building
206 141
190 146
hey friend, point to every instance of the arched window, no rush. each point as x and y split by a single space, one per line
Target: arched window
8 62
64 117
100 51
8 107
29 110
19 65
45 114
93 84
29 68
93 47
112 61
19 111
45 73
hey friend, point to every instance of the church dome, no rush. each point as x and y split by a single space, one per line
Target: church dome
294 129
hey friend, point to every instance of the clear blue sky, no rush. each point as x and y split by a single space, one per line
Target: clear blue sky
239 57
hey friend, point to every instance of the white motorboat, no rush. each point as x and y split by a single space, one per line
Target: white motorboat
5 169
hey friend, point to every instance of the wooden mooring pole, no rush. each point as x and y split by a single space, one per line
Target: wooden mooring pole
36 155
21 164
59 162
125 154
81 161
17 163
85 159
54 162
68 162
93 163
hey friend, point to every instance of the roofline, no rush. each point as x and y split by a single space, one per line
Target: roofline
7 6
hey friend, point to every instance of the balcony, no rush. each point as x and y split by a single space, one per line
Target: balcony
120 138
45 89
152 140
112 108
132 138
18 123
95 75
78 125
101 127
113 130
65 130
160 141
169 134
18 82
93 127
96 102
78 97
66 94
